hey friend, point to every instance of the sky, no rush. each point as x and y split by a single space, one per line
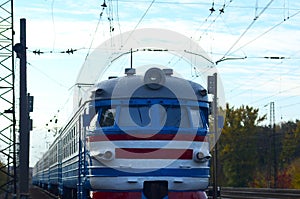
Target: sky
242 37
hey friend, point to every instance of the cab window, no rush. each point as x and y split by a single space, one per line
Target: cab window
174 117
196 118
107 117
133 116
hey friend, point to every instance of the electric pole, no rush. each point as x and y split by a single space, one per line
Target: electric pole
20 49
272 125
213 89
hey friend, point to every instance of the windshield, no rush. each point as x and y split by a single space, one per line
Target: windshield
156 115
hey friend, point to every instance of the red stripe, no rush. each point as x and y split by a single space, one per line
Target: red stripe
190 194
146 153
116 137
116 195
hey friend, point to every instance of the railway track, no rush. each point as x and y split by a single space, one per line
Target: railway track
255 193
226 193
39 193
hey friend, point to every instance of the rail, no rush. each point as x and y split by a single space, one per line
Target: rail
258 193
39 193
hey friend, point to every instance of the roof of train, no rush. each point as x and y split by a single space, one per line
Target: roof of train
155 83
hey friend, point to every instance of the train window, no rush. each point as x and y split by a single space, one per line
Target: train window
107 117
174 117
133 116
196 118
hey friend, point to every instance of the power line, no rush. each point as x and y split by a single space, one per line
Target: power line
118 20
141 19
53 23
277 93
130 34
262 73
267 31
246 30
46 75
69 51
212 10
96 29
206 4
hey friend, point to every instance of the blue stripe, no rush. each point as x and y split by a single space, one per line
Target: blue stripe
171 130
109 172
147 101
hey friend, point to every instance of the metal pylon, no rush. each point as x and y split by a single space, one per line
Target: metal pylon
7 103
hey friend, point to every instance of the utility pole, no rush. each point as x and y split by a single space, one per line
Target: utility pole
272 125
213 89
20 49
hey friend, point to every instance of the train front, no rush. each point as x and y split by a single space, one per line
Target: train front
146 137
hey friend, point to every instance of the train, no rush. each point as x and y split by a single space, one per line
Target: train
138 136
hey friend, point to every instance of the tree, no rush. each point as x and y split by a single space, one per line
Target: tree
294 172
291 142
2 176
237 146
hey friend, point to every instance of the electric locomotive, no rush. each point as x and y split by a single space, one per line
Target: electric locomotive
137 136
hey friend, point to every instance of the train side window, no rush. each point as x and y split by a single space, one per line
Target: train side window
196 118
107 117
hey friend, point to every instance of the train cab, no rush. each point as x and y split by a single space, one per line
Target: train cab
148 132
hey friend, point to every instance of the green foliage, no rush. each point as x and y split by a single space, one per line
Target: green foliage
294 172
291 142
237 146
247 151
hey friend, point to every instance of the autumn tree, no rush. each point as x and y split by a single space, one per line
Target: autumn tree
290 154
290 143
294 172
237 146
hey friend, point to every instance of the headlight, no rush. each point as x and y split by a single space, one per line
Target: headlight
106 155
154 78
201 157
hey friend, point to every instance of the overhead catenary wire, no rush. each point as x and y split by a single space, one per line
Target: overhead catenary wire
242 6
118 20
212 10
132 31
47 76
96 29
267 31
277 93
110 17
141 19
245 31
261 84
69 51
53 24
257 75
